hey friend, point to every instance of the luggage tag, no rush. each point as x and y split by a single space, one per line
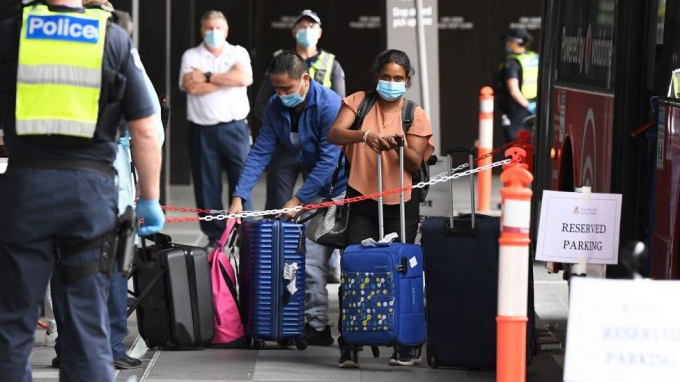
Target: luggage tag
290 273
385 242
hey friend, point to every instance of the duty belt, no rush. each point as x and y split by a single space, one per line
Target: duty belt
100 167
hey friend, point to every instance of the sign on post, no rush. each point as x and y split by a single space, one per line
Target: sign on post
575 225
623 330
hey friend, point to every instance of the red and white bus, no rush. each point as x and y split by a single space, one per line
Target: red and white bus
602 61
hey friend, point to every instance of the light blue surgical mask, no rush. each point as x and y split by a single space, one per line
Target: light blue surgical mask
214 38
391 90
292 100
307 37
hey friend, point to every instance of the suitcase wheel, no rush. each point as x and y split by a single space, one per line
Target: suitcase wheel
148 343
432 361
419 352
258 344
376 351
301 345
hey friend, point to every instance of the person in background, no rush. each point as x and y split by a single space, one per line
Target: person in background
382 123
60 191
325 69
517 82
215 75
299 117
117 300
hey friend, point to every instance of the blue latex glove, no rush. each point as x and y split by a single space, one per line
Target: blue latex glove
532 107
151 212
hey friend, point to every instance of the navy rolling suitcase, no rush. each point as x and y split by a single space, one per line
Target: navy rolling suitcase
272 254
382 290
174 295
461 265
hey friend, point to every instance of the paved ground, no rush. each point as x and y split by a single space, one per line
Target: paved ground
316 363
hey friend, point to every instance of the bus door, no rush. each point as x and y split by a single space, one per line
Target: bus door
665 238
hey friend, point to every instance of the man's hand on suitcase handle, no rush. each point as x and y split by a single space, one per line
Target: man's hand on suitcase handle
236 207
294 202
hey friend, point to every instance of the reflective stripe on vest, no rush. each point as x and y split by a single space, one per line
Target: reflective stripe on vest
529 63
60 71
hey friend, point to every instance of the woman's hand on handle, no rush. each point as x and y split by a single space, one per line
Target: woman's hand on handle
376 142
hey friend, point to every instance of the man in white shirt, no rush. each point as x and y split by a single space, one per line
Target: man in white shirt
215 76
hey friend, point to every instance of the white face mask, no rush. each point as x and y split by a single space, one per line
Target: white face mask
214 38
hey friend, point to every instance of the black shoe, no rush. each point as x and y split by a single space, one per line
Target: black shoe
55 362
318 338
405 357
127 362
349 358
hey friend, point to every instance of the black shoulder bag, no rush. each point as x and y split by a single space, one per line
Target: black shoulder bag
329 226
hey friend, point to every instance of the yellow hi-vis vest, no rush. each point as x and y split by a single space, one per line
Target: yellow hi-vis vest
322 68
674 90
60 71
529 63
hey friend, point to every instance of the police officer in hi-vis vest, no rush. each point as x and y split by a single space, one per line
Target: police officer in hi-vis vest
284 169
517 85
67 76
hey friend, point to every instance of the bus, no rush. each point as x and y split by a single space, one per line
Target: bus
603 62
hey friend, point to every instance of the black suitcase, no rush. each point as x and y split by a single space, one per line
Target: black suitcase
174 295
461 286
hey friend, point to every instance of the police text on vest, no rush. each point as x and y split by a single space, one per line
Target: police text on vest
61 27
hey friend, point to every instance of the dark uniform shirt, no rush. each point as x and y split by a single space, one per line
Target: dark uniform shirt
508 106
119 56
267 89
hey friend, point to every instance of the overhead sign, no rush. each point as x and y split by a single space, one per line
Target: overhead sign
399 31
623 330
576 225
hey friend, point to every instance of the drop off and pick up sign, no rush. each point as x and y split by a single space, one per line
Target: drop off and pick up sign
576 225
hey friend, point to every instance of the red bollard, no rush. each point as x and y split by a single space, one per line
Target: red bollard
484 148
513 269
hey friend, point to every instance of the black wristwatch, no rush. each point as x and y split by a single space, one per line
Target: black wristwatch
207 76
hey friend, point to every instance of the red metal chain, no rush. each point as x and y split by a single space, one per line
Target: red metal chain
329 203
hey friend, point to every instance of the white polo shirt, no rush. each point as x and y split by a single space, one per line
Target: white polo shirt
227 104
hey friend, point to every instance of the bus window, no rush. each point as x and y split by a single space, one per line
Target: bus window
586 34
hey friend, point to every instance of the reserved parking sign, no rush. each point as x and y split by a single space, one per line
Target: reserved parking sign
623 330
576 225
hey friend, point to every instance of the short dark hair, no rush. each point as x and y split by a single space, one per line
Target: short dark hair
397 57
288 62
213 14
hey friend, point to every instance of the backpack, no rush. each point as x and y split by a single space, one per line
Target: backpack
408 113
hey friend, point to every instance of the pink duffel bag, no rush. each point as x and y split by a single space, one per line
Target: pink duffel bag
229 331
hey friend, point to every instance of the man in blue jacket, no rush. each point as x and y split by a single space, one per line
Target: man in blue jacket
299 117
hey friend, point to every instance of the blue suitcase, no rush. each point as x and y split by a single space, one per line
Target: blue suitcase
269 311
382 289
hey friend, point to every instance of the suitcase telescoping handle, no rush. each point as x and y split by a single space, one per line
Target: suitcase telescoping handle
402 210
449 154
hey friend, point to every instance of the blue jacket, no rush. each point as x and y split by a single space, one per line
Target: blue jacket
317 157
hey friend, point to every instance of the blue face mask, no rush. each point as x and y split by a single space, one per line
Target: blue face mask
307 37
214 38
391 91
292 100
